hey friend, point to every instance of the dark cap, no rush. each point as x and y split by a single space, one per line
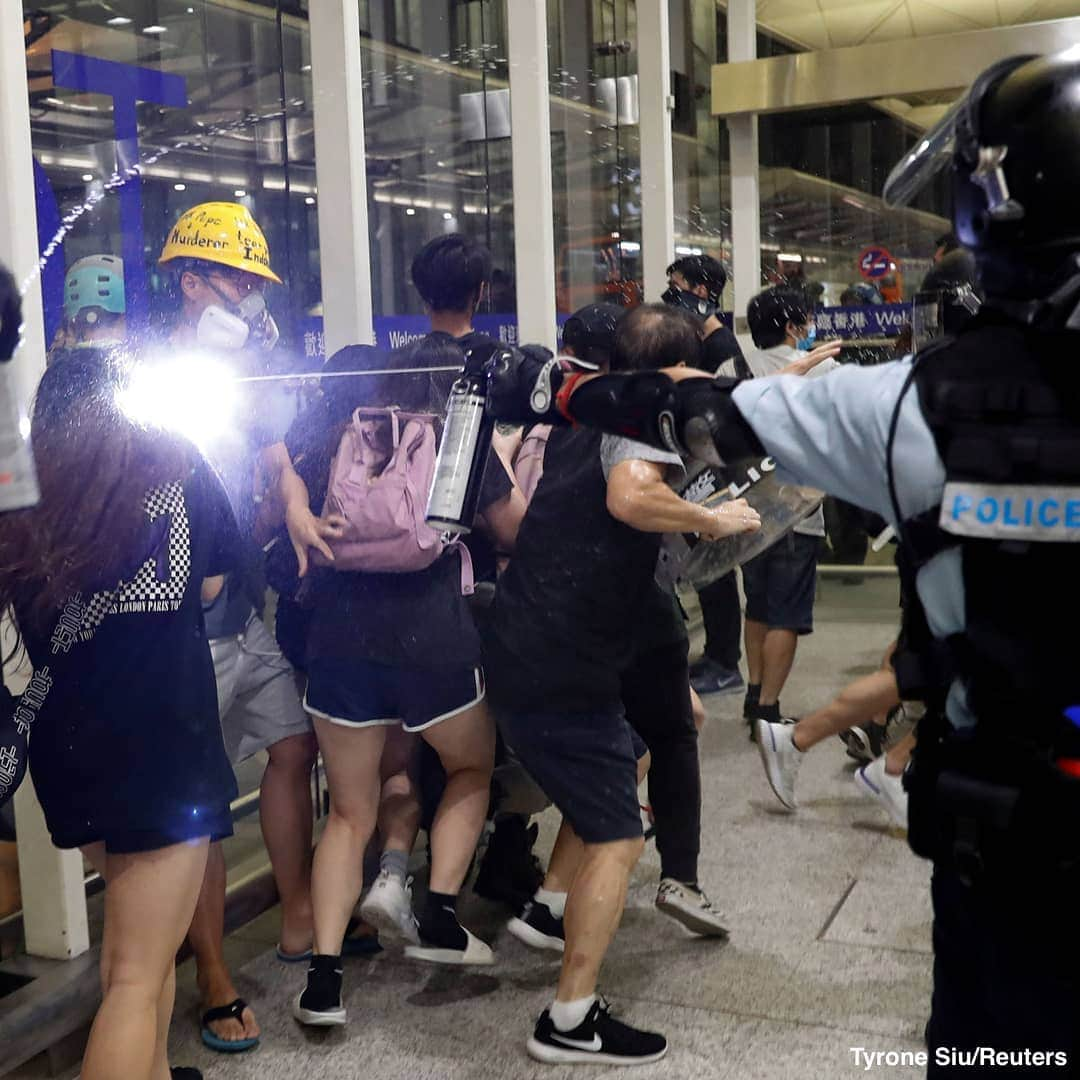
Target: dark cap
592 327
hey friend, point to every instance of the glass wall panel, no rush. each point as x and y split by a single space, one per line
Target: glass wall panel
437 126
214 100
596 153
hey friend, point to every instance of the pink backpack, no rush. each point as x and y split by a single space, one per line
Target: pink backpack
384 501
529 460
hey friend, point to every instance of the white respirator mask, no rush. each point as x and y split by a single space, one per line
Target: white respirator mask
251 325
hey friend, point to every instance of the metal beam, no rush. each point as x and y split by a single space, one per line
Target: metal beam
530 122
341 171
657 180
888 69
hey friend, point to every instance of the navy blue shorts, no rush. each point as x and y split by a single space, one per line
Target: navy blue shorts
128 841
362 693
586 764
780 582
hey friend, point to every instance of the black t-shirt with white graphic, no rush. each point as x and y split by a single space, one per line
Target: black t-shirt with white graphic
125 734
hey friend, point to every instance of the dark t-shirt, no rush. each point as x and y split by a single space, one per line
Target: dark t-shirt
719 346
416 620
566 609
127 736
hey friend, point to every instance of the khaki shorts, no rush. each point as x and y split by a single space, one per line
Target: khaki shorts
257 699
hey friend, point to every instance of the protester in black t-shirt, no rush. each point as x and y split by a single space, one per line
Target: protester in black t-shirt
106 577
696 284
565 614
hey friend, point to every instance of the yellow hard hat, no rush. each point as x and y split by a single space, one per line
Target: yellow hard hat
220 232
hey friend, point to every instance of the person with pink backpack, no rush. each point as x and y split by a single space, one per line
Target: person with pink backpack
392 654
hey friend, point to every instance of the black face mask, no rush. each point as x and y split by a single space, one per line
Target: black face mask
684 298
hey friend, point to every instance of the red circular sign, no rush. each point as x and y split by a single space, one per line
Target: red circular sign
875 262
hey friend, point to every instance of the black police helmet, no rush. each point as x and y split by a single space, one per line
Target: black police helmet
1017 159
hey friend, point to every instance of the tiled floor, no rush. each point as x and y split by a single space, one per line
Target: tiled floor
829 917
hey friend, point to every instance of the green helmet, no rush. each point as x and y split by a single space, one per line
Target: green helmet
96 281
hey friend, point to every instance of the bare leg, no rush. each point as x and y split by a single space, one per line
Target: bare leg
897 758
855 704
698 710
466 746
777 656
207 939
351 757
149 901
593 910
285 813
399 804
754 641
565 859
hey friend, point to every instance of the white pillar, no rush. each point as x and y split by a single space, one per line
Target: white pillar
341 171
745 173
530 123
54 900
657 180
18 220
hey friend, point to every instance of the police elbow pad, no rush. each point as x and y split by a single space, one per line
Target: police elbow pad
709 425
640 406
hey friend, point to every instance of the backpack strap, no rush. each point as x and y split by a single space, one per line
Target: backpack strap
468 579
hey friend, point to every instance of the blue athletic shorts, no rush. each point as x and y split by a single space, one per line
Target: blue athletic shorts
362 693
586 764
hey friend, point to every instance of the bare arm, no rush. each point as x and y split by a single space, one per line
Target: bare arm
305 529
638 496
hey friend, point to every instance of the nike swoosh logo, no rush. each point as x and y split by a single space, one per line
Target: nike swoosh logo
579 1044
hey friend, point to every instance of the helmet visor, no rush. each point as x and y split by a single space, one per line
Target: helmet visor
919 166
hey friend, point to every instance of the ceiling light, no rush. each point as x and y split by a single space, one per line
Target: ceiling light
179 187
410 211
447 216
310 200
305 67
118 20
240 193
155 29
787 257
87 177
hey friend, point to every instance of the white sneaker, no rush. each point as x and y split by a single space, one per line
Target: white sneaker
691 907
475 952
781 759
388 907
873 781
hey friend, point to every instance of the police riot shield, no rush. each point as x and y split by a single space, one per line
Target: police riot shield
781 506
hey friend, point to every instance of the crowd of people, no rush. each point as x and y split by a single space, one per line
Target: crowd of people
457 685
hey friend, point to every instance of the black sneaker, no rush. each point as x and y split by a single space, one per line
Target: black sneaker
713 678
538 928
509 872
599 1039
319 1005
185 1072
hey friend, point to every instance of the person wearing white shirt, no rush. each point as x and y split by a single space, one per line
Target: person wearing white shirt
780 583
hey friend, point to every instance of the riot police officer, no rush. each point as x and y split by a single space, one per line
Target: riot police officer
972 451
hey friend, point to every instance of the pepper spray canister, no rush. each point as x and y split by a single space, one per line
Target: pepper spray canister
463 454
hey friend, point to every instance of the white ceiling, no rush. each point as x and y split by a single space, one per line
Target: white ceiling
828 24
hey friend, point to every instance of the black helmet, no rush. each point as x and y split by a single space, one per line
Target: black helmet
1014 144
590 332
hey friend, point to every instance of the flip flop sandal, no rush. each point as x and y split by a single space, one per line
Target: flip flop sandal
368 945
293 958
235 1011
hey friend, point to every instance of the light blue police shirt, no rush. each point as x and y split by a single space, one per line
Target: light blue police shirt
832 433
